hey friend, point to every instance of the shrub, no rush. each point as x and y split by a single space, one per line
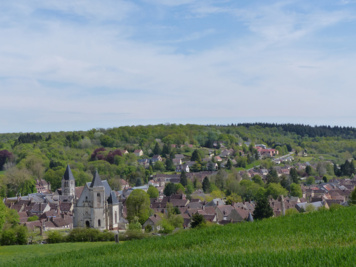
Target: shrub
55 237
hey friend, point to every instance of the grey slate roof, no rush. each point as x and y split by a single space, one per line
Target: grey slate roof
96 180
68 175
112 198
107 188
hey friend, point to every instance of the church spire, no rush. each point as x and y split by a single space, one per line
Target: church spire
96 180
68 175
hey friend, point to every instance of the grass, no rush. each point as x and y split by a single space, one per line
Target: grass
325 238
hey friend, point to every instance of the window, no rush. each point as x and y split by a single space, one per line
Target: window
115 216
99 223
98 200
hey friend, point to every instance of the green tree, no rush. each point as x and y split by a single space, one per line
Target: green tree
291 211
272 176
258 180
169 189
196 156
310 180
262 210
275 190
157 149
32 218
183 178
206 185
353 197
153 192
198 220
229 164
296 190
169 165
159 166
138 204
309 170
179 188
294 175
233 198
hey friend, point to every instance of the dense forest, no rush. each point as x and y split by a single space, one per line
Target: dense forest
25 157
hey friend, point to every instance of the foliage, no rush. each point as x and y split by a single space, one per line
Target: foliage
262 210
206 185
275 190
291 211
89 235
296 190
198 221
153 192
352 199
310 180
32 218
169 189
138 204
233 198
183 178
55 237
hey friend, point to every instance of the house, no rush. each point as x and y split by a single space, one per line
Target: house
303 205
177 162
217 159
144 162
182 167
179 156
154 222
156 158
42 186
138 152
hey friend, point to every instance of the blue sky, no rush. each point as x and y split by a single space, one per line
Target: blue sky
78 65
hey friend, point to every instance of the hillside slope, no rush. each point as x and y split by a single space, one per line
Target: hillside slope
325 238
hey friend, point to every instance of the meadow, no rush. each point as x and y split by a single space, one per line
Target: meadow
323 238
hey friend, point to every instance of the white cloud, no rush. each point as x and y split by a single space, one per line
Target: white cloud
83 72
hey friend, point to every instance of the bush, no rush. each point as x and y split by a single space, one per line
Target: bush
55 237
32 219
132 234
89 235
148 228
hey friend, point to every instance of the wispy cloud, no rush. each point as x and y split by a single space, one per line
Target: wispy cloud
76 61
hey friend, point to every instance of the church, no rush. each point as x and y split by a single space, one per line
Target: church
96 207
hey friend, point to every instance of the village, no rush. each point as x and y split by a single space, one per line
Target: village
96 205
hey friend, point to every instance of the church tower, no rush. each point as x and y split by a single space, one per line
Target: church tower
68 183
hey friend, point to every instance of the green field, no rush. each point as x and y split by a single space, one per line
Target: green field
325 238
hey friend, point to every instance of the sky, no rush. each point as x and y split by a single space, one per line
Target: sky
78 65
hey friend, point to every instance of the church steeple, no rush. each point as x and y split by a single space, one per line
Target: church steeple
68 175
68 183
96 180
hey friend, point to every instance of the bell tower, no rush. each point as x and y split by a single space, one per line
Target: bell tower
68 183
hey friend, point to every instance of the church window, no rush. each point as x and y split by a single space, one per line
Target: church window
87 224
99 223
115 216
98 199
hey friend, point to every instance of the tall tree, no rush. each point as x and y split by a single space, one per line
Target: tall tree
196 156
153 192
183 178
206 185
262 210
294 175
138 204
169 189
157 149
